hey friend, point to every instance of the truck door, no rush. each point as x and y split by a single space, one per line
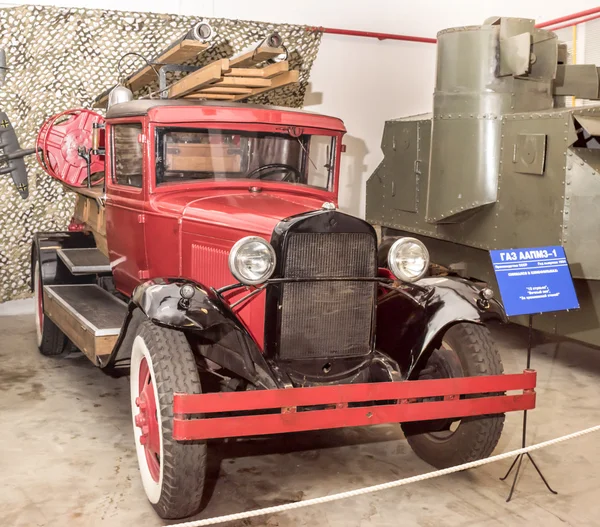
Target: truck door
125 198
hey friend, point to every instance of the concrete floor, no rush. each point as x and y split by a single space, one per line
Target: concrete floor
66 454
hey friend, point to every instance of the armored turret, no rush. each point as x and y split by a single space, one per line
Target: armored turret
501 162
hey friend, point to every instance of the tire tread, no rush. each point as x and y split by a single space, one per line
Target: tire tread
184 463
54 341
479 356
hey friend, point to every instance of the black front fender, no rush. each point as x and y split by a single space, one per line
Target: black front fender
412 319
160 300
222 338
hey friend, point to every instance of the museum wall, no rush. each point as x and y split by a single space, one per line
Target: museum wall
363 81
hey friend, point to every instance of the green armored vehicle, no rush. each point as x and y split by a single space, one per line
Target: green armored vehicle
499 164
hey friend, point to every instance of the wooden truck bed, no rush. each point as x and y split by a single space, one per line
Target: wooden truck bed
89 210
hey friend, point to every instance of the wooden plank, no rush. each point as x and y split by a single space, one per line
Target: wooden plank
248 82
197 79
104 346
284 79
185 50
79 334
205 164
255 56
89 212
244 72
92 192
275 69
197 149
266 73
177 54
220 89
211 96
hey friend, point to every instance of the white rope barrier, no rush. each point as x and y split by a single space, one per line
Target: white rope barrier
382 486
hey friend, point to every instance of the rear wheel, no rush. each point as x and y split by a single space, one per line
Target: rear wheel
51 341
467 350
172 472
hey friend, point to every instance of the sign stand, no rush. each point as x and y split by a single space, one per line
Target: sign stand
531 281
517 461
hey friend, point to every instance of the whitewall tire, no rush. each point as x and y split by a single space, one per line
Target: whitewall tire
172 472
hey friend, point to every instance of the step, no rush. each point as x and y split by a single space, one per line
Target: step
89 315
85 261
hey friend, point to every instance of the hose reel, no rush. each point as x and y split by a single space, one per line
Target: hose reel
64 144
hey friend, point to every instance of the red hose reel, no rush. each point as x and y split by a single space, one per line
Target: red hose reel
59 142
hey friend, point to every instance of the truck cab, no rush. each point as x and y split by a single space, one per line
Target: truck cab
207 260
186 183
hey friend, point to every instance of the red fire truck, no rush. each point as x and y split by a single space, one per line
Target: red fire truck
207 259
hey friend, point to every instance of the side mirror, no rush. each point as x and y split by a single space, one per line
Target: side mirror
11 156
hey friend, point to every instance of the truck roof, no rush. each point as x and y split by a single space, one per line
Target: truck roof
177 111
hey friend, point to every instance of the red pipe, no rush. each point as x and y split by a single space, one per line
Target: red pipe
569 17
576 22
370 34
428 40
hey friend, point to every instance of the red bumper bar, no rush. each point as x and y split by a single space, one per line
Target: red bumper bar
291 410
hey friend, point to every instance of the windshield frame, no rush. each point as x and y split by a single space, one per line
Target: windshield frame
335 155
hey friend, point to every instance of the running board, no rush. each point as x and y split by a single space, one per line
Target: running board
90 316
85 261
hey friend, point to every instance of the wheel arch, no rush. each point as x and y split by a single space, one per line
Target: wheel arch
423 354
212 329
469 351
431 308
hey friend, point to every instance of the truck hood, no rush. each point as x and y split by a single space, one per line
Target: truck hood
245 213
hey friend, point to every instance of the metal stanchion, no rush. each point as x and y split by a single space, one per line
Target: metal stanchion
518 460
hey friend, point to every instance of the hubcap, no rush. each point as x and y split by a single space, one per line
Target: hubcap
147 420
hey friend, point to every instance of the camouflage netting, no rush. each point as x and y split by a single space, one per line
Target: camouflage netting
61 58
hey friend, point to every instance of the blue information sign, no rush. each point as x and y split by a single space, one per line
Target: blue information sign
535 280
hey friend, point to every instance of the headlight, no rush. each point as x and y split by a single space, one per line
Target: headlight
252 260
408 259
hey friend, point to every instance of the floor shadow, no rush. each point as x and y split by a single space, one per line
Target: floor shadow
223 450
570 353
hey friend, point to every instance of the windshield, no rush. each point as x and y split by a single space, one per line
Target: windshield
184 155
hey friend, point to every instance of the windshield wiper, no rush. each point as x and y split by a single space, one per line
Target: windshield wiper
306 152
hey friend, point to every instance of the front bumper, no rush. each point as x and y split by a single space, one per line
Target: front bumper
263 412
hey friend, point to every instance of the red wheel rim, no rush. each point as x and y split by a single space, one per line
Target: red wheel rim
147 420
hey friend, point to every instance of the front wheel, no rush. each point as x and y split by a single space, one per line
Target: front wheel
172 472
467 350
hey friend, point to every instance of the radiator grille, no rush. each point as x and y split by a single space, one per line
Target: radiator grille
327 319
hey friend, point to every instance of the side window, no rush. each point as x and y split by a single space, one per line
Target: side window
128 154
321 150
